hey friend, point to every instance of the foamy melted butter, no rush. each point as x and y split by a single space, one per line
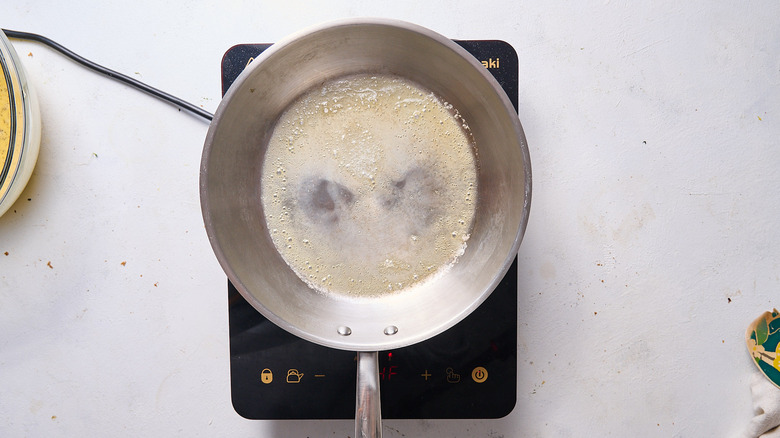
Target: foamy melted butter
369 185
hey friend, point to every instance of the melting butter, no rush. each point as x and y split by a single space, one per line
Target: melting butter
369 185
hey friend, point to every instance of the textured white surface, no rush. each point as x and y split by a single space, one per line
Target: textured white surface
653 131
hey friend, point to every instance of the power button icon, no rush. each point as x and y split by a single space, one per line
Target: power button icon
479 374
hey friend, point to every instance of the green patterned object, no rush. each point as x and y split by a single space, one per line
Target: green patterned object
763 342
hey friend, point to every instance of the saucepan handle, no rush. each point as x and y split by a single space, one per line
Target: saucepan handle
368 413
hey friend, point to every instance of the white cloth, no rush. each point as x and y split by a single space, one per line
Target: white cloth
766 409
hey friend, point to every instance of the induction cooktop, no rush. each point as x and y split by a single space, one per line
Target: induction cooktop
469 371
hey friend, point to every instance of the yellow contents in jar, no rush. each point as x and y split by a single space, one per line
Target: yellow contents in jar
5 119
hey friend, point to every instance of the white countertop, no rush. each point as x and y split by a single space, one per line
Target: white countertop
654 134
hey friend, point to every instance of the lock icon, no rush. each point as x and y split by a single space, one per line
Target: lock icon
266 376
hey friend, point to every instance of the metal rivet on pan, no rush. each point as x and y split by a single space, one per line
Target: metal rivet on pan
344 330
391 330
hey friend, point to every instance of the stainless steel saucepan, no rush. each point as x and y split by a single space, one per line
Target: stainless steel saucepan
231 174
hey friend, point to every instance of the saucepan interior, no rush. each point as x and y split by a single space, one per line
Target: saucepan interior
232 164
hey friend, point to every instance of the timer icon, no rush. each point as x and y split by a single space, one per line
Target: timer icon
479 374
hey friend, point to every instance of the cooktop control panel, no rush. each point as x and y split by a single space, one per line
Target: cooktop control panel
469 371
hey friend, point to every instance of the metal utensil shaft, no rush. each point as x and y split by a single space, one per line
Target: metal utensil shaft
368 412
